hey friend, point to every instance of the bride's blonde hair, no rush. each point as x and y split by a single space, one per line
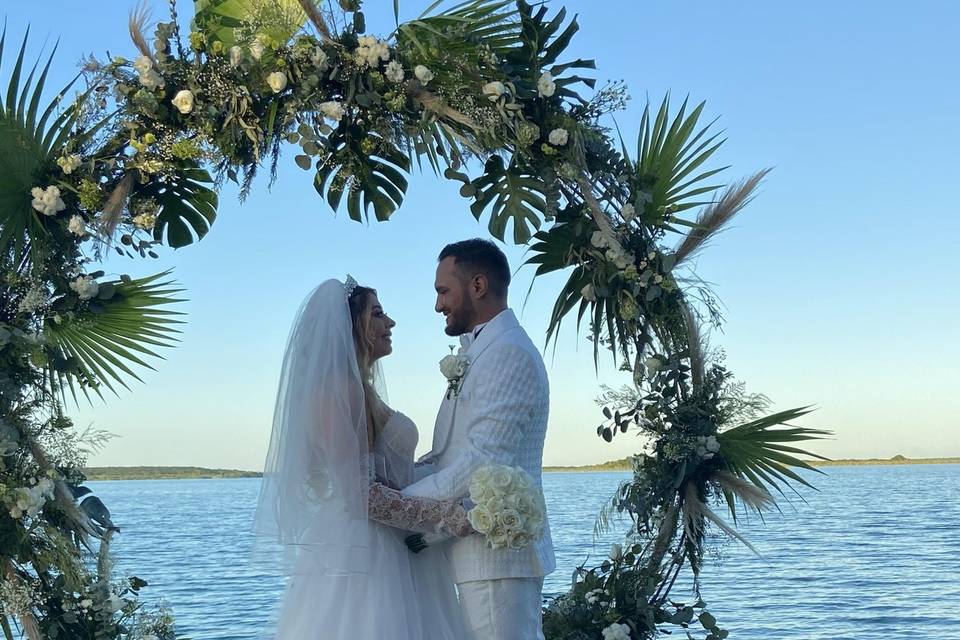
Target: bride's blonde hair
359 303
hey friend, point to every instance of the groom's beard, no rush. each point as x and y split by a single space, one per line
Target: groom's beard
461 321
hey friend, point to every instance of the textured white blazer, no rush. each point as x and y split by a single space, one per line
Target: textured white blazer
498 416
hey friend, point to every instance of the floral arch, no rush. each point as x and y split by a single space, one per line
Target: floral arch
480 92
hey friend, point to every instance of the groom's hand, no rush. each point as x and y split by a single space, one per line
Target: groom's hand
416 543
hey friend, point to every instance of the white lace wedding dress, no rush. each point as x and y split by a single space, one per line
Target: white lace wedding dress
405 596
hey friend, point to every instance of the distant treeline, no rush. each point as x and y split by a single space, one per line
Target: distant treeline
164 473
624 464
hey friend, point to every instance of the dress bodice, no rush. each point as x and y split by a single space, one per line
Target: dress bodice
394 451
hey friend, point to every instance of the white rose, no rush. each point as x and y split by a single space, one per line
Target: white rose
653 364
493 90
480 519
588 293
616 552
183 101
236 56
510 520
86 603
277 81
77 226
628 212
394 71
616 631
494 504
257 49
423 74
333 110
559 137
450 367
546 87
713 444
517 541
501 477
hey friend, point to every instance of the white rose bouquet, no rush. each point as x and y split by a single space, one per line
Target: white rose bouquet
509 510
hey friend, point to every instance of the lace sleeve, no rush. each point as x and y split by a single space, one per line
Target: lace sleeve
392 508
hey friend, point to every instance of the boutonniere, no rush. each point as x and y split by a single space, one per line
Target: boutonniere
454 367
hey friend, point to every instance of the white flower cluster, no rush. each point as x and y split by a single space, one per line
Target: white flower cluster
29 500
372 51
145 221
69 163
707 446
16 597
615 253
617 631
33 300
257 49
559 137
333 110
546 86
509 508
149 77
394 71
319 59
47 201
85 287
236 56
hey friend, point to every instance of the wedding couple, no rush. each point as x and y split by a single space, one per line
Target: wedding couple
341 490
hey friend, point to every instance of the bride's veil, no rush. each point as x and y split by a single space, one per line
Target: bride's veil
313 498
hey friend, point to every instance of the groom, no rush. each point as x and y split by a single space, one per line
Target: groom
497 414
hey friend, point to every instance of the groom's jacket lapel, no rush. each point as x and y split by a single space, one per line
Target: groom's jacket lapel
502 324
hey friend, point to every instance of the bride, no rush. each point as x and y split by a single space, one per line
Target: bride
337 457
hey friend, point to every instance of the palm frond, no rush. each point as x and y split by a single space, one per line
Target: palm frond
760 452
27 147
714 217
696 514
128 319
737 489
463 27
669 152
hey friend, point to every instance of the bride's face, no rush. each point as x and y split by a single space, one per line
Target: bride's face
379 329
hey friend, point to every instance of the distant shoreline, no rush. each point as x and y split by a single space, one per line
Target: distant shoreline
99 474
624 465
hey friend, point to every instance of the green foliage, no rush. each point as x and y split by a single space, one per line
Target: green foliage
188 206
126 317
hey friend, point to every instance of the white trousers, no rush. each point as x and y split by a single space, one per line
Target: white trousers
507 609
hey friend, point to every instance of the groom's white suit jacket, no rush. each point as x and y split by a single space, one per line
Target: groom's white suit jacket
498 416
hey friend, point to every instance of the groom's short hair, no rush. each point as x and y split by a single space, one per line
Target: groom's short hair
481 256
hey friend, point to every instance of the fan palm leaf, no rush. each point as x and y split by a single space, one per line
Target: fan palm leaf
463 27
29 143
760 451
123 327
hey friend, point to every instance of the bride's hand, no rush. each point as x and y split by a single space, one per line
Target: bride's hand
456 521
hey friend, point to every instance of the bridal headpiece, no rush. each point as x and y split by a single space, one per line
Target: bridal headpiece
349 285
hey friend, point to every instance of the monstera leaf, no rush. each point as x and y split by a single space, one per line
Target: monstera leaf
29 143
543 42
123 323
188 206
512 194
376 180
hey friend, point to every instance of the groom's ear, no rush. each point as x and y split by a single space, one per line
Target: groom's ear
479 286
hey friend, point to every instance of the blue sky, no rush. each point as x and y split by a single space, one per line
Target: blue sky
839 280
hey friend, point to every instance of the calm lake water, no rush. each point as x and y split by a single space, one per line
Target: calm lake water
875 553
